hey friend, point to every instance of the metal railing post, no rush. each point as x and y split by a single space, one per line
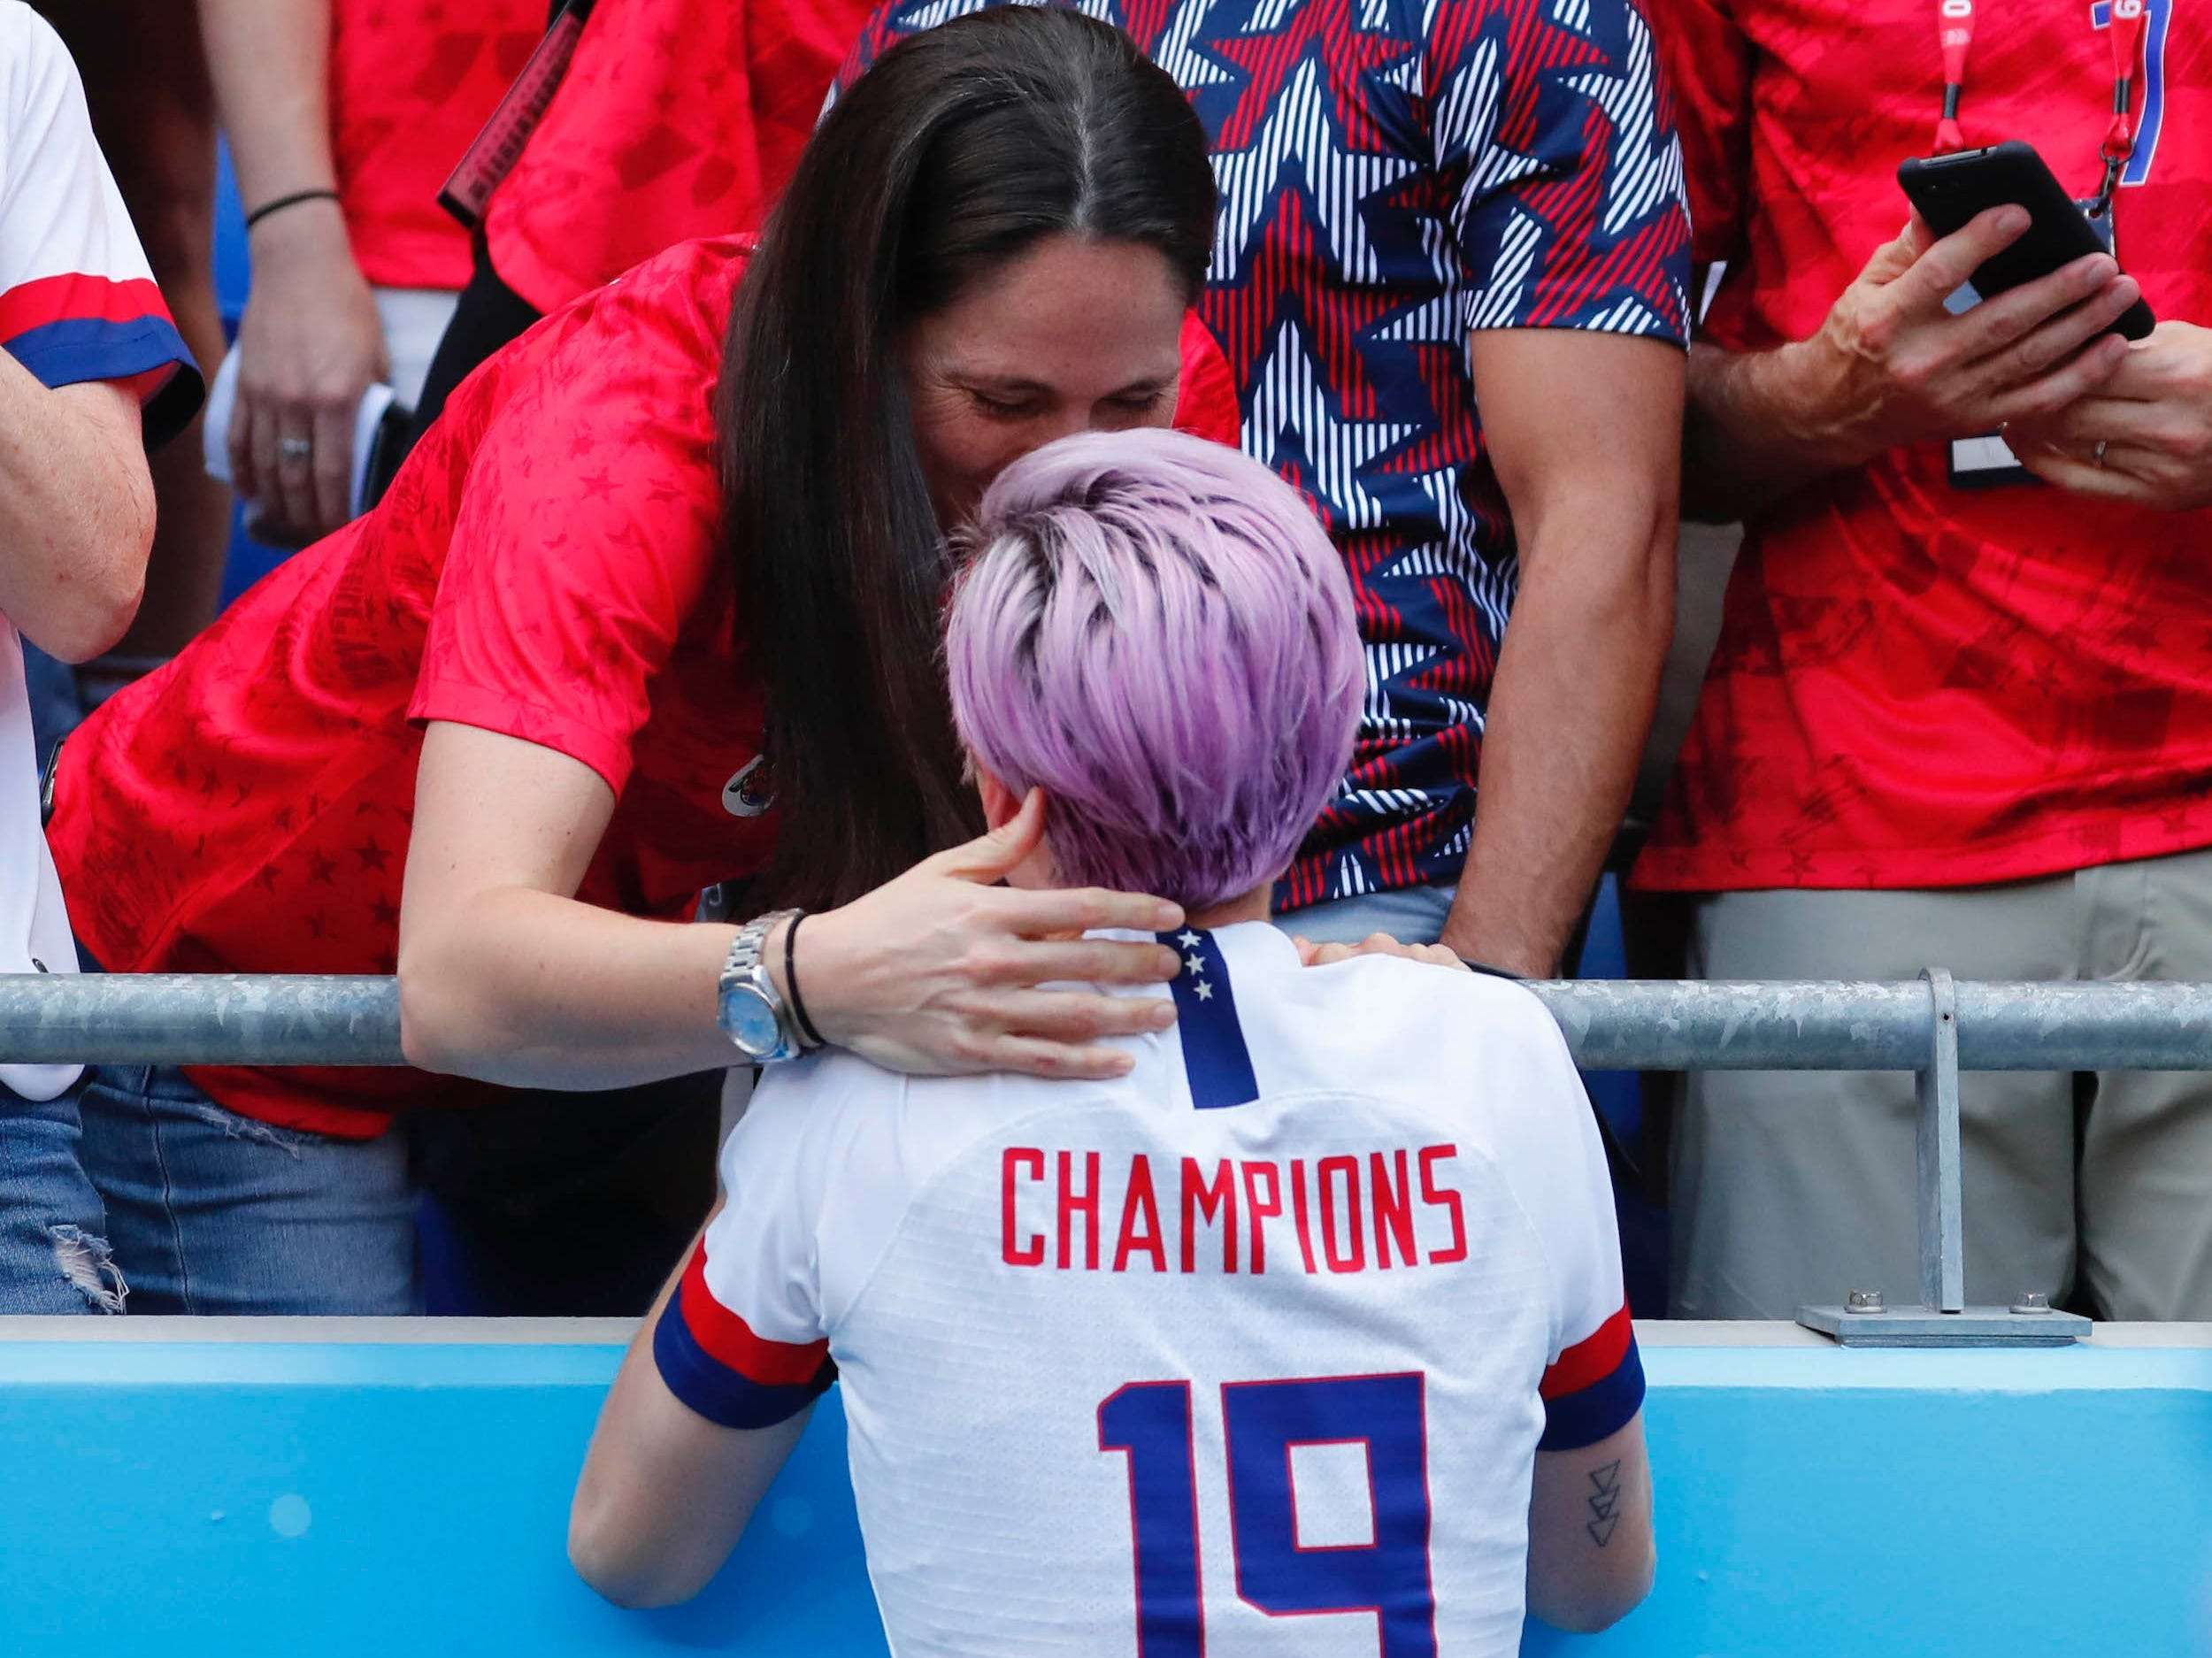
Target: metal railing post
1937 1152
1943 1319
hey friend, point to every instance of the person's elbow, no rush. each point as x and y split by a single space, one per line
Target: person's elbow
1600 1597
609 1555
99 570
434 996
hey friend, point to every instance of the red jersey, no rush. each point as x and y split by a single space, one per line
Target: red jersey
678 118
1916 685
547 565
246 809
410 83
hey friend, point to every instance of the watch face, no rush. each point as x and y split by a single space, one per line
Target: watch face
751 1021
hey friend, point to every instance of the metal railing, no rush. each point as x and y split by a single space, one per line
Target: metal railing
1933 1027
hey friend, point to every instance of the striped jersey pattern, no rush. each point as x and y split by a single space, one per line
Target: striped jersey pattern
1395 173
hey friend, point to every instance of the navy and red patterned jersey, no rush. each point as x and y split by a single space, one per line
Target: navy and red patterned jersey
1395 173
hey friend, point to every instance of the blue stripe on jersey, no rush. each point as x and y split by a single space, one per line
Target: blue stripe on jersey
1214 1054
717 1392
1607 1406
78 349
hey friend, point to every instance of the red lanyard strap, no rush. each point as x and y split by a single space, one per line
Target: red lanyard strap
1955 33
2127 29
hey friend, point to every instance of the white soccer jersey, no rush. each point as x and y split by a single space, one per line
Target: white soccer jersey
1248 1352
76 303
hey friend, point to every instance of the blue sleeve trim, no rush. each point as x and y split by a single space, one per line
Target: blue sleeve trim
1574 1420
77 349
718 1392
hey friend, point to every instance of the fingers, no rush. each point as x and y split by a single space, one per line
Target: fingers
1893 259
332 487
1306 948
1033 912
1076 1015
2090 368
992 857
1951 262
1074 961
295 474
1031 1057
1379 944
2115 480
2088 421
245 478
272 490
2056 313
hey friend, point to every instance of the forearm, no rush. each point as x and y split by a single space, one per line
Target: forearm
76 512
270 63
1577 683
1757 427
664 1495
531 990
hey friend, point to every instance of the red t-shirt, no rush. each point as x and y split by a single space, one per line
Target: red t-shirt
678 118
247 809
1919 685
411 81
546 565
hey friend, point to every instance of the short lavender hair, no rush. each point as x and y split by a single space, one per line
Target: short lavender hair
1156 630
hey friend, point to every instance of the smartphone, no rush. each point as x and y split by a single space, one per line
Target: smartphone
1950 190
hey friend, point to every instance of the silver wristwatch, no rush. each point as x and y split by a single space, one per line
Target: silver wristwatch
747 1006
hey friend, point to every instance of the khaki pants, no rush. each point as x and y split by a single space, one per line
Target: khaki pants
1791 1187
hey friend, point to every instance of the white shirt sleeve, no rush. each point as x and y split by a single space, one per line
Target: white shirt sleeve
1546 1142
77 300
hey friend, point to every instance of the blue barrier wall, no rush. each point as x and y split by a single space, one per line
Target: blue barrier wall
242 1497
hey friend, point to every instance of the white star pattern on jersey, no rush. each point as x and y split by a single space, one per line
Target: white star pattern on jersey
1290 399
1300 129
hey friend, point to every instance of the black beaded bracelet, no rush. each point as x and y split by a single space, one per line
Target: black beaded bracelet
791 979
283 202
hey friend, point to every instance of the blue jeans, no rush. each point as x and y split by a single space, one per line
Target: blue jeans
212 1212
1411 914
54 1255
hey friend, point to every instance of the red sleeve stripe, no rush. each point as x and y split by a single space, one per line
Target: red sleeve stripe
1591 1360
77 299
730 1342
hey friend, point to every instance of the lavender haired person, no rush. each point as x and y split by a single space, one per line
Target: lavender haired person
1121 639
1155 635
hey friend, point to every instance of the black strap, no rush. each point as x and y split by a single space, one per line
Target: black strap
283 202
791 979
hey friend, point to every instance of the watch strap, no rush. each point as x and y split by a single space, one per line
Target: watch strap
743 965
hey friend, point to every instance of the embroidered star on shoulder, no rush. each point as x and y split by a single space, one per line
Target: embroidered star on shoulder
1196 963
1188 940
1205 991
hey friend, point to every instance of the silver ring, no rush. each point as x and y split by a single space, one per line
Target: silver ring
2097 459
295 449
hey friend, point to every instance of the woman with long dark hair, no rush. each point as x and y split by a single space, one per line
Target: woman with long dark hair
655 606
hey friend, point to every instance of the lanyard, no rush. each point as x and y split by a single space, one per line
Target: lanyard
1955 33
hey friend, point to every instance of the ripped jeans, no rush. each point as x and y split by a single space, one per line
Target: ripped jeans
53 1235
211 1212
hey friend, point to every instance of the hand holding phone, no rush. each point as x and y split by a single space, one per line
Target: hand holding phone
1949 192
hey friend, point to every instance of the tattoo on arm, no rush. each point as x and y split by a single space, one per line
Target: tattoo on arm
1605 1497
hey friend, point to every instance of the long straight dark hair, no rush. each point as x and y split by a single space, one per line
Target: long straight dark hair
956 152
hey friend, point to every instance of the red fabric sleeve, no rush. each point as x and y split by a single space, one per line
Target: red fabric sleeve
585 537
1707 60
1206 404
